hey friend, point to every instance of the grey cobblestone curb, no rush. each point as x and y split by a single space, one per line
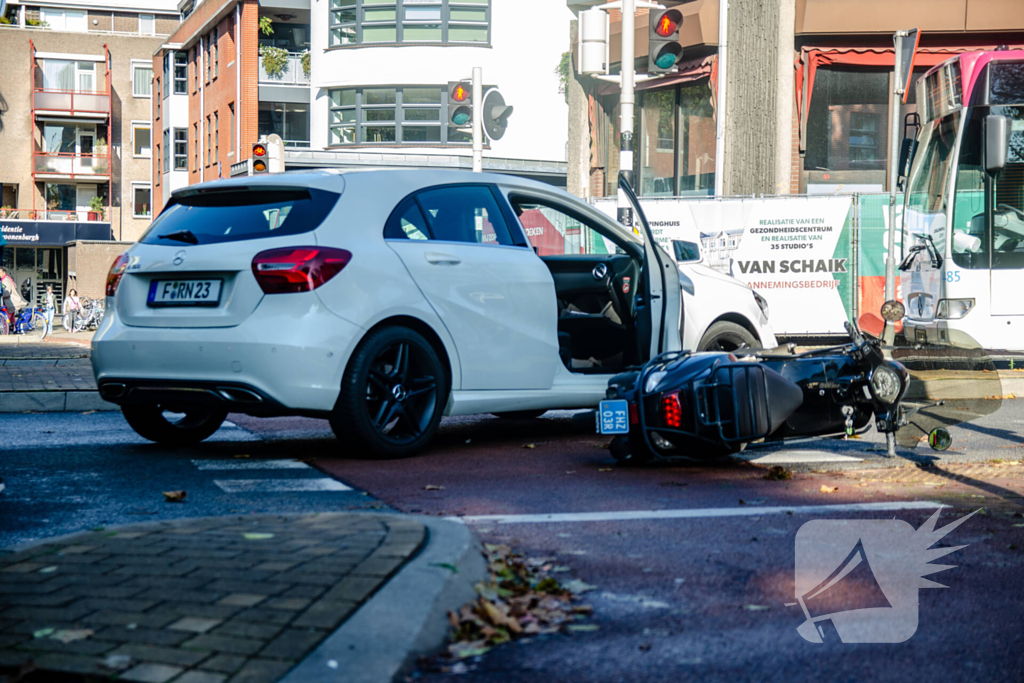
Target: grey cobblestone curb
53 402
194 599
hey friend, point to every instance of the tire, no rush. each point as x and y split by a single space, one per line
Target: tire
149 422
65 321
392 396
520 414
726 336
38 322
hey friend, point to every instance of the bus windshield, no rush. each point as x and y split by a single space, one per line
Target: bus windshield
925 211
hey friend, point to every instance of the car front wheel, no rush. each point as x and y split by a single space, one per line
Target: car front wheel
392 396
155 423
729 337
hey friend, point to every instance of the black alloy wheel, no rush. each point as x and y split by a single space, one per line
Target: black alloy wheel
393 394
727 337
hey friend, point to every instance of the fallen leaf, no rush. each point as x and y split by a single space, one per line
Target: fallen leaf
174 496
42 633
433 487
463 650
71 635
241 456
253 536
577 587
583 628
529 445
445 565
117 662
756 608
778 473
47 570
604 469
829 489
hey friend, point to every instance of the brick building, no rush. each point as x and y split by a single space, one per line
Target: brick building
75 136
808 87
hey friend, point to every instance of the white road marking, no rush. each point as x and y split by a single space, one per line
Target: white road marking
695 513
279 485
796 457
250 465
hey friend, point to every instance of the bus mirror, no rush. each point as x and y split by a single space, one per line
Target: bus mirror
997 142
686 252
907 151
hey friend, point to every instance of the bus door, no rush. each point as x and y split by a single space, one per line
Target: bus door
1007 234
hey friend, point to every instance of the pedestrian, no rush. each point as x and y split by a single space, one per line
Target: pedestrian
71 308
12 300
49 308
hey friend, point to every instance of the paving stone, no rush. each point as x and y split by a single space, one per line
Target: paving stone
200 677
86 646
176 595
261 614
293 643
151 673
58 614
70 663
242 599
305 592
163 655
154 619
194 624
147 636
379 566
353 589
248 629
228 644
194 610
274 566
120 604
262 671
293 604
227 664
325 614
257 587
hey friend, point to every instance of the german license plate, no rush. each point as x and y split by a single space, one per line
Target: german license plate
163 293
613 417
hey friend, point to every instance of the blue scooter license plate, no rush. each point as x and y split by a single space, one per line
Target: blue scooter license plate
613 417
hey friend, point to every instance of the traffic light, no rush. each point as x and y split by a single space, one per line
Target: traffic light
260 160
495 114
664 51
460 104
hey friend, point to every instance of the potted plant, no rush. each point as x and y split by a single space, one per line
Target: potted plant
7 212
96 208
305 63
275 59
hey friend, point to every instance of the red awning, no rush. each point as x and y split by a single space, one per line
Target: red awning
812 57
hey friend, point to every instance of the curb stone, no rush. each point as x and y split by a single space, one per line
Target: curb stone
53 401
407 617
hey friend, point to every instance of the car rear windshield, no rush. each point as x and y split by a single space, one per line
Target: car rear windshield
246 213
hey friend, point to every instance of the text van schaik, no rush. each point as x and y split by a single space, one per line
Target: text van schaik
832 265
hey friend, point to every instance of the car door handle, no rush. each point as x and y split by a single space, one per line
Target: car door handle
440 259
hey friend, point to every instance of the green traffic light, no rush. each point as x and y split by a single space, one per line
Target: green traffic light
460 118
666 60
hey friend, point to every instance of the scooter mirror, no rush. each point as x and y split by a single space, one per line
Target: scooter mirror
893 311
940 439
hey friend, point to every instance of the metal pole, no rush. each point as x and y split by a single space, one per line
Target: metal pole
626 101
723 53
478 124
894 157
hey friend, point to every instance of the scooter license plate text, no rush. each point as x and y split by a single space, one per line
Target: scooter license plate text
613 417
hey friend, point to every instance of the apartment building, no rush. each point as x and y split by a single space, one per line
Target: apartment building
807 94
75 136
355 84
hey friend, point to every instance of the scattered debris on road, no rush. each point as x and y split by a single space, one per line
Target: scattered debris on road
778 473
433 487
829 489
175 496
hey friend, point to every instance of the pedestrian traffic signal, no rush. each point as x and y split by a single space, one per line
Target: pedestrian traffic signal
460 104
664 51
259 158
495 114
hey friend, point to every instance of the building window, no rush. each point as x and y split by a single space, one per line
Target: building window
195 69
142 202
180 149
213 49
141 139
167 74
61 74
167 150
209 141
206 57
64 19
290 121
397 115
355 22
156 82
216 136
846 124
231 108
180 73
142 80
195 147
156 173
147 24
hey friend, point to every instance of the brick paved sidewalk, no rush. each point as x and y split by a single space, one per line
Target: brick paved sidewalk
240 599
32 365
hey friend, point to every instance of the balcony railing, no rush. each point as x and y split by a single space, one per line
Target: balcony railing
67 164
52 215
292 74
74 103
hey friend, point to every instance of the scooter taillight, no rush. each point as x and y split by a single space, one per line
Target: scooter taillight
672 411
634 414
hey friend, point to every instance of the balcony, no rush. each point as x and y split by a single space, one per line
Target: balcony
70 165
52 216
292 74
71 103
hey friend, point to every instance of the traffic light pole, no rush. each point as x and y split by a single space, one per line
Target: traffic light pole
627 100
478 122
894 155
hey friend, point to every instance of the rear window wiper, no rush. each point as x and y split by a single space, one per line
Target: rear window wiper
181 236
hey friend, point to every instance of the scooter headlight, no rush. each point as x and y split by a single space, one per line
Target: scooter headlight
886 384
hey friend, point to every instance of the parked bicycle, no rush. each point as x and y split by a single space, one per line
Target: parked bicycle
88 317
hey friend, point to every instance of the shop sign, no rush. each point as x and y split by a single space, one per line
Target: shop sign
51 233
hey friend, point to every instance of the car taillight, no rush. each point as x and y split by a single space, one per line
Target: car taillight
672 411
634 414
116 271
297 269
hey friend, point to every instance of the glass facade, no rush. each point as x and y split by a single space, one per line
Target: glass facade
289 120
392 115
359 22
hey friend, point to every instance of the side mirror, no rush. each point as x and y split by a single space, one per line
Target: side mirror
686 252
940 439
907 151
997 142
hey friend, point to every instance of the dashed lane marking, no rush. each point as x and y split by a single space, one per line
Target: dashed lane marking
250 465
280 485
746 511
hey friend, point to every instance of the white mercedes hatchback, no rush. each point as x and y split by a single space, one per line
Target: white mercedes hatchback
380 300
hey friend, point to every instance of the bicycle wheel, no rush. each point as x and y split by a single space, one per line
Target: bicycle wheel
65 321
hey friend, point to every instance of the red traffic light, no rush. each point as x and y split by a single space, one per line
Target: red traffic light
259 150
667 24
460 93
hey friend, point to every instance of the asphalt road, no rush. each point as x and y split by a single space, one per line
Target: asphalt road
680 591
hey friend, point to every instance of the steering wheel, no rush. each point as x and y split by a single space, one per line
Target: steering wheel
1007 207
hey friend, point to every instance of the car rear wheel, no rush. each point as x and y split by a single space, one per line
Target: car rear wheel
520 414
157 424
392 396
726 336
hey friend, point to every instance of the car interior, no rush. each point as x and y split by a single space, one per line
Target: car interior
596 285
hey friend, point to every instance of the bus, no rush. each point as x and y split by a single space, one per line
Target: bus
962 269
